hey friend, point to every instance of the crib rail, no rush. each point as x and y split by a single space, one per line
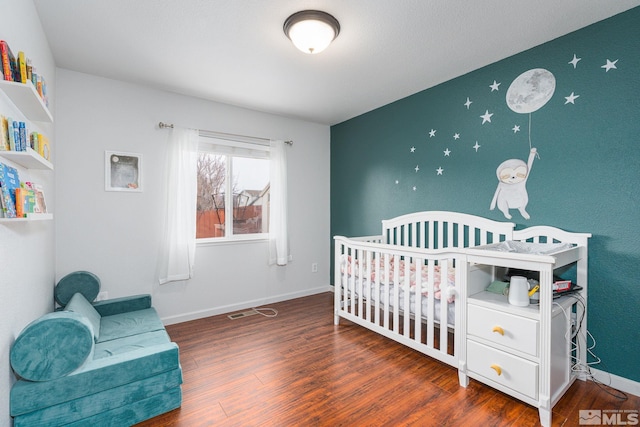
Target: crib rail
409 295
439 229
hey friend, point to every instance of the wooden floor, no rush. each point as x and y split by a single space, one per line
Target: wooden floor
298 369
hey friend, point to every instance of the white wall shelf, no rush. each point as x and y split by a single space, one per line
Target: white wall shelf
30 217
28 159
26 99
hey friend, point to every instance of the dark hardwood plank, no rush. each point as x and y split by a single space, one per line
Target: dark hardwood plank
298 369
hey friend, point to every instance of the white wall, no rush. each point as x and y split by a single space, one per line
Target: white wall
26 249
116 235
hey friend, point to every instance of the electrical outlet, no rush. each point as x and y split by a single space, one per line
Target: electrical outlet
314 267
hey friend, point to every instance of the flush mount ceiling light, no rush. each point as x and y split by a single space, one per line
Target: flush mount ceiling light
311 31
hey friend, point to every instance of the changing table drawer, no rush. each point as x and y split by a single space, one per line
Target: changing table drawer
516 332
511 371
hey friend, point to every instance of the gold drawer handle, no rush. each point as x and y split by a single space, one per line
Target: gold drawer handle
497 368
498 329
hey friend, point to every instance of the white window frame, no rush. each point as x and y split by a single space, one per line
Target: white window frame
232 148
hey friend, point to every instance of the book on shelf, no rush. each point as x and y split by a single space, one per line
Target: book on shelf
4 134
40 203
22 67
7 61
29 69
44 148
22 133
16 135
25 202
9 181
11 134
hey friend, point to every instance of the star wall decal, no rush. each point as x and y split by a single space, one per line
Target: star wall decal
427 154
571 98
609 65
486 117
574 61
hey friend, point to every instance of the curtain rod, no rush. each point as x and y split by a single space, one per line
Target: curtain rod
221 135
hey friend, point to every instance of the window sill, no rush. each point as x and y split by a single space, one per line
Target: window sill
233 240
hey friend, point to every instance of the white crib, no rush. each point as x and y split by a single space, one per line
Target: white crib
412 284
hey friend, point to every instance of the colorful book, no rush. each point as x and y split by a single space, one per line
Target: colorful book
43 146
11 134
5 52
40 203
33 141
29 69
9 181
25 202
22 67
22 130
39 85
4 134
16 136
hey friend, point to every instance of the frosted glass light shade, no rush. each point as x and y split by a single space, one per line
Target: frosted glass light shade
311 31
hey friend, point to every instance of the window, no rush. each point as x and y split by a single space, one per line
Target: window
233 190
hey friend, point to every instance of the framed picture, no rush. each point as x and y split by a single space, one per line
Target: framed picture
123 171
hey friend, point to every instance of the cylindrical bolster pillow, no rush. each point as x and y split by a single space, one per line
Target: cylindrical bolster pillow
52 346
88 284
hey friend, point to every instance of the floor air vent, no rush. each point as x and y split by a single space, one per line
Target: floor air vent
242 314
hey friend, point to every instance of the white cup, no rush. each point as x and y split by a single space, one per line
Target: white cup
519 291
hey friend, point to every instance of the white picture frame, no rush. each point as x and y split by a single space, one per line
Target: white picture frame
122 171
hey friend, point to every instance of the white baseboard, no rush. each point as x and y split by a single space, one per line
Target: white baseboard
185 317
619 383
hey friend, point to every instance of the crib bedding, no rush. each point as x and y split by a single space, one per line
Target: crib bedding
386 287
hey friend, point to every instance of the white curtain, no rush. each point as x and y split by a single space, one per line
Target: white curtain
179 235
278 236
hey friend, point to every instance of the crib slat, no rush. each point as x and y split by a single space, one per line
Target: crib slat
418 301
369 284
430 305
444 321
376 289
407 296
352 281
396 293
387 291
360 280
407 235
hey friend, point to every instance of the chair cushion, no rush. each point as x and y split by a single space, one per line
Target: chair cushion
129 324
88 284
52 346
80 305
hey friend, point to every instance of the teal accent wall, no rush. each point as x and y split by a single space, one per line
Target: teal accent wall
586 179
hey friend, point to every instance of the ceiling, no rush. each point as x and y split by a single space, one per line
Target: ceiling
235 52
